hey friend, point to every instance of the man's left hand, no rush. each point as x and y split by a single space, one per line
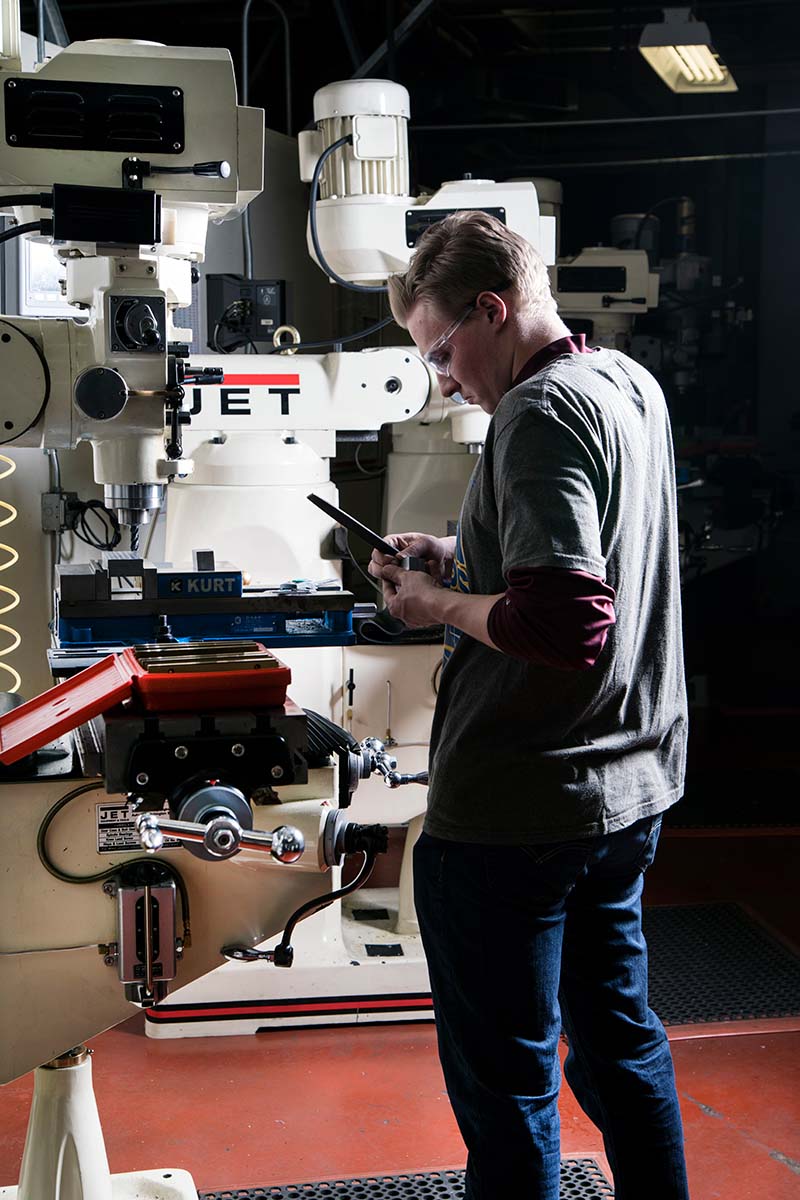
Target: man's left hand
416 600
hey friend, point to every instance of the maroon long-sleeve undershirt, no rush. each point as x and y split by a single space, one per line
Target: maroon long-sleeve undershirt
553 617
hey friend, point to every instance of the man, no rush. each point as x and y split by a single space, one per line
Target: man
560 728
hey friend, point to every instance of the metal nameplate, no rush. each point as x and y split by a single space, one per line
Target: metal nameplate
116 833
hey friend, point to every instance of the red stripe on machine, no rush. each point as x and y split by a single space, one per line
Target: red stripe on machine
346 1004
263 380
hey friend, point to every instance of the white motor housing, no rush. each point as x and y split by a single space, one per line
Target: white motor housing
367 222
375 113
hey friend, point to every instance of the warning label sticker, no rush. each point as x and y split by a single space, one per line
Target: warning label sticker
116 831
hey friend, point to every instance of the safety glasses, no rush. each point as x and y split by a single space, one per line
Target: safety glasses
440 354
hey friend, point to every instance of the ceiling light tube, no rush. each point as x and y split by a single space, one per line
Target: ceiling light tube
686 71
680 51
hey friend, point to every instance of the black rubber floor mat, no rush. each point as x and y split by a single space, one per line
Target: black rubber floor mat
581 1179
711 962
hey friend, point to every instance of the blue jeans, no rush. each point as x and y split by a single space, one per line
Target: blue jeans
521 940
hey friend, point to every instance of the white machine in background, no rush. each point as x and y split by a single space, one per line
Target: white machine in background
608 287
604 286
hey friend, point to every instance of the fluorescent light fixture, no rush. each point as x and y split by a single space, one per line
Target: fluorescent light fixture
679 49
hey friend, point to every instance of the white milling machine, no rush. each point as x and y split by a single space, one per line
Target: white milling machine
119 154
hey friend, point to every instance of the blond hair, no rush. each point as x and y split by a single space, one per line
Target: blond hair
463 255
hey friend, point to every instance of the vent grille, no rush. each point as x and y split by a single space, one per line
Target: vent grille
58 116
79 115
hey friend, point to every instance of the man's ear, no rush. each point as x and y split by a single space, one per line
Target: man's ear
494 306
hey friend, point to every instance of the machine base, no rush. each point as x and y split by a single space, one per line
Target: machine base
141 1185
351 968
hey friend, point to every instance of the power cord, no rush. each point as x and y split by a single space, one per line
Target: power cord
376 474
328 269
18 230
347 140
650 213
100 876
78 521
236 311
335 341
357 566
369 840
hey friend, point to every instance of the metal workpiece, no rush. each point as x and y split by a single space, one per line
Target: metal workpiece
211 656
83 585
221 838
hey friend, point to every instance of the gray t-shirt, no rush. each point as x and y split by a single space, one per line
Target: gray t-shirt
577 472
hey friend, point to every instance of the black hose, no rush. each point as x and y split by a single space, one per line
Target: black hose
283 951
18 230
99 876
78 523
335 341
347 140
20 199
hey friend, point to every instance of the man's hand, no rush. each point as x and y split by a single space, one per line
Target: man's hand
413 597
419 599
437 552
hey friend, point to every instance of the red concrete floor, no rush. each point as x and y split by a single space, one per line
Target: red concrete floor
312 1104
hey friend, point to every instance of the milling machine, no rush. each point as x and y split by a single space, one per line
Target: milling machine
119 154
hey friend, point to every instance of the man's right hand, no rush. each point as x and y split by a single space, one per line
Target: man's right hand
437 552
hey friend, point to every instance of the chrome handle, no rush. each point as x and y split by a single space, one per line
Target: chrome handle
222 837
